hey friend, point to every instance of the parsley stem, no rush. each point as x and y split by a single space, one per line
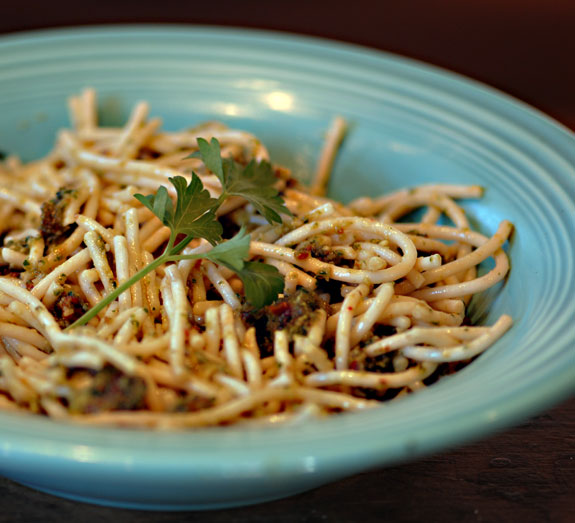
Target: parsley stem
170 254
85 318
178 257
181 245
165 257
170 244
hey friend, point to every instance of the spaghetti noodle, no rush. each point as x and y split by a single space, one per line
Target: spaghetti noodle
373 307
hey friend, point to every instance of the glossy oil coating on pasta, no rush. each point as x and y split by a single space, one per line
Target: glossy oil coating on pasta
373 306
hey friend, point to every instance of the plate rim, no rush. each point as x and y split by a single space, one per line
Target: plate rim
89 29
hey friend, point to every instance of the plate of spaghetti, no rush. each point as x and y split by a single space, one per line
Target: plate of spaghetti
230 272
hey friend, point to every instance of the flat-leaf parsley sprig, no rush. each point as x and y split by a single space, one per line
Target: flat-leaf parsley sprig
194 216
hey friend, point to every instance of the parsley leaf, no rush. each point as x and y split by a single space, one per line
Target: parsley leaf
160 204
195 213
231 253
254 182
211 155
262 283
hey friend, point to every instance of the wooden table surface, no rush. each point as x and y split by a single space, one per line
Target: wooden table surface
523 47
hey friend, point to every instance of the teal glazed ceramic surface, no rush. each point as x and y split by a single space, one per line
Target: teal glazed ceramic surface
410 124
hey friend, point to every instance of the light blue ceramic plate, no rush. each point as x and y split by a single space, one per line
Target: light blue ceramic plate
411 124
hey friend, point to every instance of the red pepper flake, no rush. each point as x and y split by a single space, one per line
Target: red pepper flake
350 308
302 255
340 230
279 308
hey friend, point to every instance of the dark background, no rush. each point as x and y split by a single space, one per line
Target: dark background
523 47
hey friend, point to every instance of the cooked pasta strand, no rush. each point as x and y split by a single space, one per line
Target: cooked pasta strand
370 306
